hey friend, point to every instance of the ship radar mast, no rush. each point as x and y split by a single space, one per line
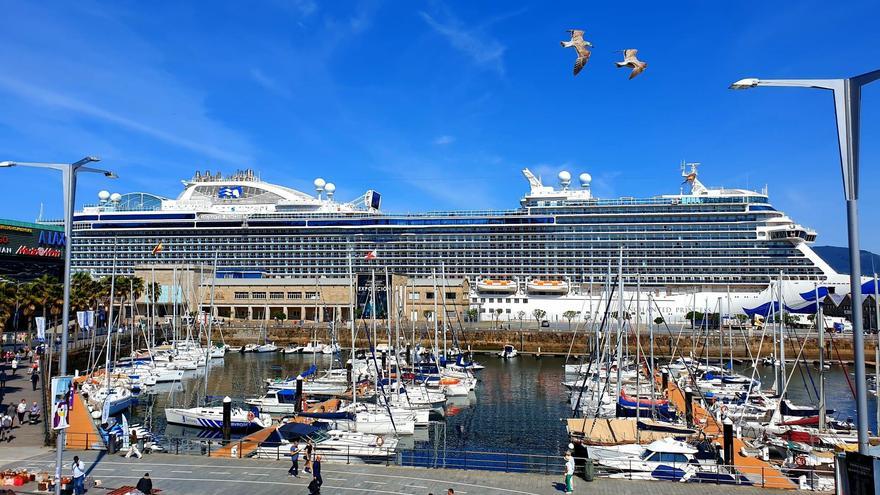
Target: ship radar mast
689 173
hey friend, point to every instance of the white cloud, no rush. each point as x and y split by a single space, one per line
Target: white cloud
270 84
484 50
444 140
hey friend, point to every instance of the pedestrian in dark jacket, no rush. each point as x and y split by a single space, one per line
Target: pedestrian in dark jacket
35 377
316 470
3 378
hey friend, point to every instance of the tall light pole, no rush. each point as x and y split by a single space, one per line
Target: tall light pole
847 106
68 174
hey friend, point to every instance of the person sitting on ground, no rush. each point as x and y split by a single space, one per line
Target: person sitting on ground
34 413
145 485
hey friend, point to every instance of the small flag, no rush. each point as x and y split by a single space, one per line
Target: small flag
371 255
158 249
690 177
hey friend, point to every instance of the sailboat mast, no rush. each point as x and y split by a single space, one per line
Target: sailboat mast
877 352
781 334
436 330
351 311
651 340
730 329
820 329
174 335
638 355
445 311
619 320
720 339
131 304
210 322
110 324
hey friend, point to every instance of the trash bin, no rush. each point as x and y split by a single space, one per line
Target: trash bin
589 470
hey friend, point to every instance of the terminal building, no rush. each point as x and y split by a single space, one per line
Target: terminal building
240 297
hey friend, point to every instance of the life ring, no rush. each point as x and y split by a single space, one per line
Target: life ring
800 461
250 416
380 441
723 409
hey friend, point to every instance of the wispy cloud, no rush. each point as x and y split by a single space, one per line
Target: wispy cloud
270 84
444 140
484 50
54 99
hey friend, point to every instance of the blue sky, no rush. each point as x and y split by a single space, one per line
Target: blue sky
438 105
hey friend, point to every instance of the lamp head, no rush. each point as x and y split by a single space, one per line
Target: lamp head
7 164
111 175
749 82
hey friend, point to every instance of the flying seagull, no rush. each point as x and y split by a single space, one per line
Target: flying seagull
630 60
581 47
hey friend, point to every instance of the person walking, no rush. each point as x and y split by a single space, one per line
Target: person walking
79 476
14 365
569 472
35 377
294 460
6 426
316 474
309 447
3 378
133 445
21 409
145 485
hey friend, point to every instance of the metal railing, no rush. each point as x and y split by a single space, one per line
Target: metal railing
804 478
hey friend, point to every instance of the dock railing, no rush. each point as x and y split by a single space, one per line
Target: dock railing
803 478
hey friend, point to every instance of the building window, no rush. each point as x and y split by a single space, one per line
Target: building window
482 299
414 296
450 296
276 295
258 295
429 295
313 295
294 295
241 295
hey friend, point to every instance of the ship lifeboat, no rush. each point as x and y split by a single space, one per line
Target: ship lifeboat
552 286
497 286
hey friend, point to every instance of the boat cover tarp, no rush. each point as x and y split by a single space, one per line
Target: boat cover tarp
293 431
328 415
598 431
787 409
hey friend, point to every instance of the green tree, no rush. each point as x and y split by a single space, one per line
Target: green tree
472 314
539 315
570 315
279 316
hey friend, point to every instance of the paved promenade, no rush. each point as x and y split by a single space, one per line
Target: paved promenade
19 387
208 475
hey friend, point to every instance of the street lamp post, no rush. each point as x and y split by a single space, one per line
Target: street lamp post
68 173
847 106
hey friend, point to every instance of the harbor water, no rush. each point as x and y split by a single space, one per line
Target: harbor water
517 406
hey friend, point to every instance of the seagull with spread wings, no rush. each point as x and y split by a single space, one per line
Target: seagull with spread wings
630 60
581 46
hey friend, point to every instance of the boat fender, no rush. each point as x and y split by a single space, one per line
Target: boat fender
250 416
800 460
724 410
380 441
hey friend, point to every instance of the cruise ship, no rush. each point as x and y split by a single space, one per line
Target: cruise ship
702 247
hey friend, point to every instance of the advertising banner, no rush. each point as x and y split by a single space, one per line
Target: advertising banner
62 401
41 328
365 297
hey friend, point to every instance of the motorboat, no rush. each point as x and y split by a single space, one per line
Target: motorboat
250 348
270 347
664 459
209 417
275 401
332 445
508 352
331 348
291 349
313 347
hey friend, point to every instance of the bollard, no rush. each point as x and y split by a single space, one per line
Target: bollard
298 397
689 406
227 418
728 442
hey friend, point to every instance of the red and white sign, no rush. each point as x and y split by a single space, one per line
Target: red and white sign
44 252
371 255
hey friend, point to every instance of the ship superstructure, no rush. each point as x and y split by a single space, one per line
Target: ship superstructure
557 245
